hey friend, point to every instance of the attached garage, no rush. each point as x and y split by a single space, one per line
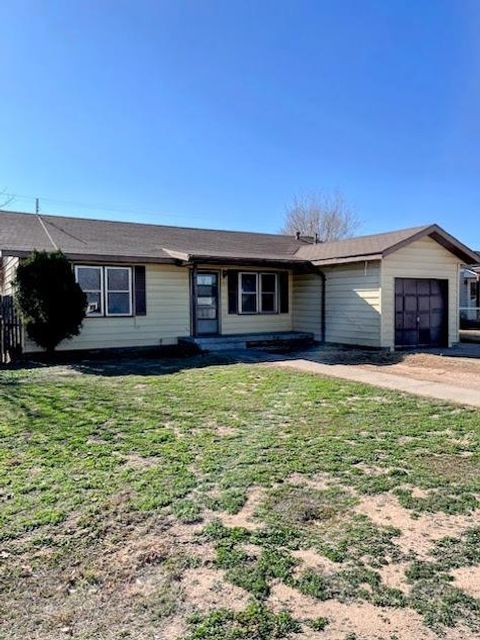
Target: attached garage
392 290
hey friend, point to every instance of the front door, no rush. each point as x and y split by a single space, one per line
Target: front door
421 312
205 300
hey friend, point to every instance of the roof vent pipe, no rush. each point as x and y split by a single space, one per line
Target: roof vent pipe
297 235
316 241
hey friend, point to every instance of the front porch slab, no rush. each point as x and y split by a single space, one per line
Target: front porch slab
246 340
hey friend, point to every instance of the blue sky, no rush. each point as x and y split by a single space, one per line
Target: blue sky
216 113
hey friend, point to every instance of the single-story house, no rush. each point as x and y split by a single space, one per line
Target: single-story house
150 285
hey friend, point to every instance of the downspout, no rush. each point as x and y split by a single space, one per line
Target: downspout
323 312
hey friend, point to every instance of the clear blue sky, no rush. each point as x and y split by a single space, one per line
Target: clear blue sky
216 113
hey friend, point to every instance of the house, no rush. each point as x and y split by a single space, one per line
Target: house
469 296
150 285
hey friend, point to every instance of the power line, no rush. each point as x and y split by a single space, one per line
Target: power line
95 207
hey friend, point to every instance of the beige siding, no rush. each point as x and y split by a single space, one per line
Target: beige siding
424 258
254 323
352 304
168 316
9 267
306 303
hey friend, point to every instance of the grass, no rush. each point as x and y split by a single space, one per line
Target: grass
116 481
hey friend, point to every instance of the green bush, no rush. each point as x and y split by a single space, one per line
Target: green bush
51 302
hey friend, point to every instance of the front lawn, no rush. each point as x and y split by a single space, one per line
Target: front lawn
223 502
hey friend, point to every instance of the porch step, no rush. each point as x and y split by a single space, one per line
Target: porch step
247 340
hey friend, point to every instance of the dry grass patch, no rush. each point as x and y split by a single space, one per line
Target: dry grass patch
418 534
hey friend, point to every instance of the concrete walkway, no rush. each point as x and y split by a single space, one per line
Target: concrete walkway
437 390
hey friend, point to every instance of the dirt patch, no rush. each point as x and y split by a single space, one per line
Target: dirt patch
417 534
134 461
224 431
319 482
310 559
435 368
370 469
245 517
468 579
175 629
393 576
363 619
205 588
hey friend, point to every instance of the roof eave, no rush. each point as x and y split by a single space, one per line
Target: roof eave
364 257
96 257
245 260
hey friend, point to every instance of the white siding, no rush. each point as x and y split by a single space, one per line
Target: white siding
9 267
255 323
307 303
352 304
168 316
424 258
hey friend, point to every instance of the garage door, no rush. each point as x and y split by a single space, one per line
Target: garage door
421 312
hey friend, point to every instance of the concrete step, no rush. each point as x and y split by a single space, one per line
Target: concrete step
243 341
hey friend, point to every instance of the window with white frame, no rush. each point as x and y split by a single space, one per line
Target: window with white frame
108 289
257 292
90 280
118 291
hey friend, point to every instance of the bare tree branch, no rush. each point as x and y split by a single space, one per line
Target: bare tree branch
327 215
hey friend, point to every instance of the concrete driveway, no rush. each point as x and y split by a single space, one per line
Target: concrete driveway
452 374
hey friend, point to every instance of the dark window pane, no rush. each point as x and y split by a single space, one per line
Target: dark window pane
206 312
118 303
268 302
94 302
249 282
268 282
204 290
89 278
249 303
117 279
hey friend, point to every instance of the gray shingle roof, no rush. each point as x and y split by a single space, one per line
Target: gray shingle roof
24 232
81 238
360 246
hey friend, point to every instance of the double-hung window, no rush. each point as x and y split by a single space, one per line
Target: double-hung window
257 292
90 280
108 289
268 292
118 285
248 292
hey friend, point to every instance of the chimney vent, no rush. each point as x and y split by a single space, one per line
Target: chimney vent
297 235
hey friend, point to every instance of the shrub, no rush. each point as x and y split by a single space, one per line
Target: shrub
51 302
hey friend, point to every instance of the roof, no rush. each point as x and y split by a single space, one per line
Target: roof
88 239
20 233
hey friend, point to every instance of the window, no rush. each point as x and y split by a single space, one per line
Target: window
108 289
118 291
248 291
90 280
268 292
257 292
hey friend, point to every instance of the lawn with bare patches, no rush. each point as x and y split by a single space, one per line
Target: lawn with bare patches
191 502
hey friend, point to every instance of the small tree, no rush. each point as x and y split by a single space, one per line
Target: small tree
327 215
51 302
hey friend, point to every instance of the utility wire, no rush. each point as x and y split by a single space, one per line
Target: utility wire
97 207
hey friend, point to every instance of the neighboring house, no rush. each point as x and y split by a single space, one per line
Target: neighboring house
149 285
470 296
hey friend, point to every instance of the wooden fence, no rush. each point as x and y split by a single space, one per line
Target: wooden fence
10 330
